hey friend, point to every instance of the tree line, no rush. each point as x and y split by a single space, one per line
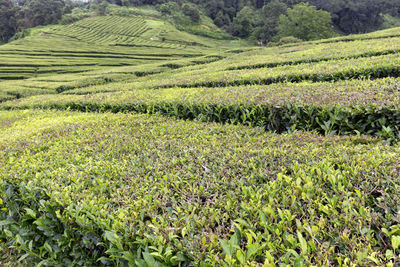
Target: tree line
266 20
262 20
22 14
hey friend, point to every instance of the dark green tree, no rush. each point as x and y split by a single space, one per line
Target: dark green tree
42 12
357 16
8 21
213 7
102 8
192 11
169 8
243 23
222 19
305 22
270 16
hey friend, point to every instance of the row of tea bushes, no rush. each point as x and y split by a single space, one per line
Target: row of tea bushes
334 70
58 83
87 189
382 34
346 107
272 57
380 92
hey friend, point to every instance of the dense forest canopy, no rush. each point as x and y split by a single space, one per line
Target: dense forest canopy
262 20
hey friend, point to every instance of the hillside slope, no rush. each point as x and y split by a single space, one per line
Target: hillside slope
197 152
98 42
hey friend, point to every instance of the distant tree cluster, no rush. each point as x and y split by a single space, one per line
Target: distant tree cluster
18 15
8 20
184 13
263 20
267 20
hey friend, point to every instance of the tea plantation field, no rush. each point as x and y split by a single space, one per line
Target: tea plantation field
126 142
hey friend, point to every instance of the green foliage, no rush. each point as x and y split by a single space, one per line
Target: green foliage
358 16
192 11
161 191
326 108
74 16
390 21
270 17
216 75
313 52
169 8
286 40
42 12
7 20
97 42
222 19
102 8
21 34
148 11
305 22
244 22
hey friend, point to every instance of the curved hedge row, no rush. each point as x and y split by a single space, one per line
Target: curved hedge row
328 120
346 107
303 53
310 60
335 70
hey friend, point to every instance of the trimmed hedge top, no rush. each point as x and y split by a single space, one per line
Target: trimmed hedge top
85 189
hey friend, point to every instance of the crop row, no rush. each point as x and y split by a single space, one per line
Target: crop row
334 70
35 46
352 107
382 34
272 57
93 36
127 189
130 26
79 81
110 30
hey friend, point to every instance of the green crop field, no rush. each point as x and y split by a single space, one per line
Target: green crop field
125 141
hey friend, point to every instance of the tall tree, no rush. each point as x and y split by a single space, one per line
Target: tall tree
270 16
356 16
42 12
305 22
192 11
243 23
8 21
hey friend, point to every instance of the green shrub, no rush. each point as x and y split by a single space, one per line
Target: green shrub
73 17
192 11
21 34
323 107
288 40
118 189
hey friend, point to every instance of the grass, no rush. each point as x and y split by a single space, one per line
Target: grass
183 150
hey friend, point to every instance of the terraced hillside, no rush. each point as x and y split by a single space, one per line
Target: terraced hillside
214 156
98 42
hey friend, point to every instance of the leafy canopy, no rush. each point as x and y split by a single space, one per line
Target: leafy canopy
305 22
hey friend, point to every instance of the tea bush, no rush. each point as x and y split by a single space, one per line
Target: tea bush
115 189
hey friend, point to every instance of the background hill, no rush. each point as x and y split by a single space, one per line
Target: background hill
101 42
260 21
